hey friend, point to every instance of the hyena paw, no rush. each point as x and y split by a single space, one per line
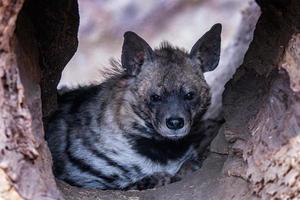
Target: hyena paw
156 180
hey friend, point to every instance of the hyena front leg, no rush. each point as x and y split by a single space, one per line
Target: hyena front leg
201 139
155 180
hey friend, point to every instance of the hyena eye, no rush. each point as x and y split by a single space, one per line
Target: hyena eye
155 98
189 96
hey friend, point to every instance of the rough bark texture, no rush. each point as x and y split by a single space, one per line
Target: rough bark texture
22 152
262 104
11 98
31 55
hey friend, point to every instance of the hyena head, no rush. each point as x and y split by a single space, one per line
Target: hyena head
168 85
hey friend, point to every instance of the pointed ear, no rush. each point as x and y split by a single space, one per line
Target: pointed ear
207 49
135 52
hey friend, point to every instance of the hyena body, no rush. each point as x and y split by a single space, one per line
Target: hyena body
141 121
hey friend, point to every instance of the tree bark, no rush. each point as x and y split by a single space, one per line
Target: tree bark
262 104
32 56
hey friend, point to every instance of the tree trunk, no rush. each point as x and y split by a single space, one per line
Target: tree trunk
31 61
262 104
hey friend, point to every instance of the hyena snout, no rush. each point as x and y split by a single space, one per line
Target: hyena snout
175 123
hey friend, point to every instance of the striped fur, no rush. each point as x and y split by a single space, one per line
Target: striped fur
111 136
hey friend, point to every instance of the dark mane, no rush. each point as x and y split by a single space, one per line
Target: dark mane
170 52
166 46
115 69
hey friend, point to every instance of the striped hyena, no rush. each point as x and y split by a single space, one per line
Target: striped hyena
143 120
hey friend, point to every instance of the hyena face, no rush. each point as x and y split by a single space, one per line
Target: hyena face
168 85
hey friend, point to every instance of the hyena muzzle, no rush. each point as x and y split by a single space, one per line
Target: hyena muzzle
143 120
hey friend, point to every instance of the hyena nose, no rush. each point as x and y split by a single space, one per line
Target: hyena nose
175 123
